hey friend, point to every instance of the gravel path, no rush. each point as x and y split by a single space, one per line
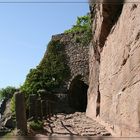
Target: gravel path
76 124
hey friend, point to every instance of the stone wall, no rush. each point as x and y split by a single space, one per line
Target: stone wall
76 57
114 63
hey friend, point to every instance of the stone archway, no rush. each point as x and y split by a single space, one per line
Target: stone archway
78 94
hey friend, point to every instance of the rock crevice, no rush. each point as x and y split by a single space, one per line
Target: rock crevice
114 67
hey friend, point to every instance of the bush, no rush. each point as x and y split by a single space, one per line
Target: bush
36 125
82 30
7 92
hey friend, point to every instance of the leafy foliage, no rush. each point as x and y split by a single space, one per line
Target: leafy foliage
7 92
50 73
82 30
12 105
36 125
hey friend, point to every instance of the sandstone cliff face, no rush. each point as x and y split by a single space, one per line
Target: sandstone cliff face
114 63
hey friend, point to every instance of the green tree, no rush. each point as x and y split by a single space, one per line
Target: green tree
82 30
83 24
7 92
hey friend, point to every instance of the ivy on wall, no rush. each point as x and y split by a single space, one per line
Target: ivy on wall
53 70
50 73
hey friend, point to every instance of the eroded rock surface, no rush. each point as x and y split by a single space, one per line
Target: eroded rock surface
115 69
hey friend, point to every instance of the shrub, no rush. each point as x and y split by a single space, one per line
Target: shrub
36 125
82 30
7 92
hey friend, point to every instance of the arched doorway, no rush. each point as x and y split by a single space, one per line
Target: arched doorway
78 94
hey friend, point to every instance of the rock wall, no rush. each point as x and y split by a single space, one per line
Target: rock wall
114 64
76 56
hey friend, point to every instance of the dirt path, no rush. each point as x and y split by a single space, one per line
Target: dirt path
76 124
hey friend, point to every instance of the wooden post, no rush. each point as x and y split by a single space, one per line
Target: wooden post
20 113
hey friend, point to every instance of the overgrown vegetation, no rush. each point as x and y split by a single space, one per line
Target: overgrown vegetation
12 105
82 30
51 72
36 125
7 92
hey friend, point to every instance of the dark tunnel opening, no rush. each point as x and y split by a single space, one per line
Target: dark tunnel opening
78 94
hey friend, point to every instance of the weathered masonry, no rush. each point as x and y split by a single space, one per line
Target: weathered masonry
77 60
